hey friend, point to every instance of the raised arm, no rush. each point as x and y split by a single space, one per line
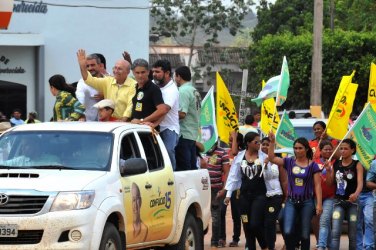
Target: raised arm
81 58
272 158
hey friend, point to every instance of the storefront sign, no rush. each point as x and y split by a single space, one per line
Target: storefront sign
30 7
8 70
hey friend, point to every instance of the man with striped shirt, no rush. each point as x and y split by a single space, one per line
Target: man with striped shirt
218 165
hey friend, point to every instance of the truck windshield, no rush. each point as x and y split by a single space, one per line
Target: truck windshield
56 150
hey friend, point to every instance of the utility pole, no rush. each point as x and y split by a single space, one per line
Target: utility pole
316 72
243 96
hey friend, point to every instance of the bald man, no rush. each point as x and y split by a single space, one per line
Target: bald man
119 88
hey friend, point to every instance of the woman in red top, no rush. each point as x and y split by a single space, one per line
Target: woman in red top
321 224
318 130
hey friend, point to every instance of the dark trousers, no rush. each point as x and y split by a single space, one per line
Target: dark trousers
235 214
273 207
185 154
252 211
215 209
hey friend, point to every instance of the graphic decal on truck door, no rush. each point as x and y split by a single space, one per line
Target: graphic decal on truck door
161 178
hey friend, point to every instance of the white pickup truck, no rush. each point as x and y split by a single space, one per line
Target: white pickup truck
77 185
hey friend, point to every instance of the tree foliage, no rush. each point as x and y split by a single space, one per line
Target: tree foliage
357 15
184 18
285 28
343 52
293 16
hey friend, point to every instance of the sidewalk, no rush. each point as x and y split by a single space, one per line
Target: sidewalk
279 243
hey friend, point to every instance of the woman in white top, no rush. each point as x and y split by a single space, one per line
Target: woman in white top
274 195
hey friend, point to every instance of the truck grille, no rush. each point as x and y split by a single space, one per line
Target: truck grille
24 237
22 204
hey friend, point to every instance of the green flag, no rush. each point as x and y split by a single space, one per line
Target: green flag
209 133
268 91
284 83
285 134
363 132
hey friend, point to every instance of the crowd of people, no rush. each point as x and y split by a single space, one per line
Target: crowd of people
314 189
168 103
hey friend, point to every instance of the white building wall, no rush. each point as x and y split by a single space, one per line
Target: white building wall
124 25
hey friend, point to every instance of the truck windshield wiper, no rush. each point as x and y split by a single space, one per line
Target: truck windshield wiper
60 167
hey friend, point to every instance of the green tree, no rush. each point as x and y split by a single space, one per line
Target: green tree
357 15
294 16
343 51
183 19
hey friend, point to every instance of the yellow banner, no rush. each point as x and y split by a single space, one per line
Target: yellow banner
372 86
267 109
227 119
339 117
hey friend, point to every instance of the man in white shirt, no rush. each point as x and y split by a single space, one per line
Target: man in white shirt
87 95
169 125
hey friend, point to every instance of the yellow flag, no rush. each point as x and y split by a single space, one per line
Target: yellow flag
227 119
267 109
372 86
338 121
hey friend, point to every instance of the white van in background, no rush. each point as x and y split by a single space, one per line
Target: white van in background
304 127
300 113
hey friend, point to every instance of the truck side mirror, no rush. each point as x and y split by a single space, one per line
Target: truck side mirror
132 166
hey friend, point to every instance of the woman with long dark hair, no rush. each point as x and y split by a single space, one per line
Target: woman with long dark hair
275 182
347 175
303 177
246 173
321 225
66 107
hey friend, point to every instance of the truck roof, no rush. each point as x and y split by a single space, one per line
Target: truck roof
76 126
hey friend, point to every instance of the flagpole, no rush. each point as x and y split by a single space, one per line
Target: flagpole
279 125
348 132
280 82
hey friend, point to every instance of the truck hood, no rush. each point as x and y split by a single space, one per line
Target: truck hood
48 180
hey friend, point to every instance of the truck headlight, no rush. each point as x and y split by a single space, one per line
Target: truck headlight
73 200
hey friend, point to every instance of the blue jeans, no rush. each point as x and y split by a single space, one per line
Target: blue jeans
303 212
325 223
170 139
185 155
365 218
341 209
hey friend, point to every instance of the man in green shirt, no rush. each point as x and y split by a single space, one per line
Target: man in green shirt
189 120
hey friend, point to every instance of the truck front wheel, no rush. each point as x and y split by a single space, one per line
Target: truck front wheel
110 238
192 236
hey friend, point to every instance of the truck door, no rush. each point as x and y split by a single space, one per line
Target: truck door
161 178
137 195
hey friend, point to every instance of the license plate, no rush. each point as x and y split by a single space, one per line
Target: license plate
8 231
